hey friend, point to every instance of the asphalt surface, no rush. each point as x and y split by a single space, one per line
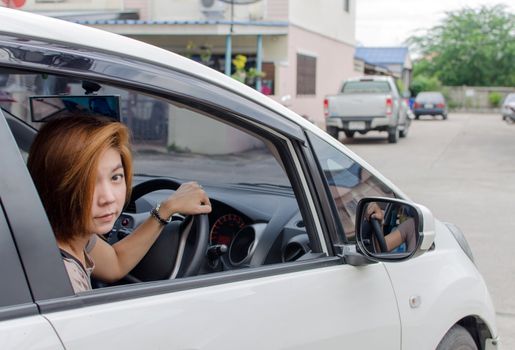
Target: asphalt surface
463 170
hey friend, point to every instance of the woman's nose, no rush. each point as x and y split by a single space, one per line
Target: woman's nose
106 194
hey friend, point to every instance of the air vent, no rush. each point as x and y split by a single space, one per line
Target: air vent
293 251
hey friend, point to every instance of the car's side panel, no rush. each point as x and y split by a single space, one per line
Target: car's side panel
447 292
28 333
325 308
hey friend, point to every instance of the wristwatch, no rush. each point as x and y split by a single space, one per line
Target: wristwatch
155 214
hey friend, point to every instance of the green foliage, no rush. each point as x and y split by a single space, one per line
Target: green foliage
422 67
472 47
177 149
204 50
425 83
495 99
454 105
243 75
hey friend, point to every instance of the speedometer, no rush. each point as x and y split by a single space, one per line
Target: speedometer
224 229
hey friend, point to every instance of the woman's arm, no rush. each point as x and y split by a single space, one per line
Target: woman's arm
114 262
404 233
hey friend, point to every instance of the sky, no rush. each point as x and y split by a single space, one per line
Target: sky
390 22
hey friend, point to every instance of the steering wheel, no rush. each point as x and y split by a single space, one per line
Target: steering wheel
180 249
378 233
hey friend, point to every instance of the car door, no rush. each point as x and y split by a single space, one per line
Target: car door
313 303
21 325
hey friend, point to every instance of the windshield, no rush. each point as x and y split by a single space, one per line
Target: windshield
359 87
430 97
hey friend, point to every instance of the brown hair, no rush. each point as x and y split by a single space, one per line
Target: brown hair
63 162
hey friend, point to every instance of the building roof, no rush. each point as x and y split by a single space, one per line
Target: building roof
382 55
183 22
132 18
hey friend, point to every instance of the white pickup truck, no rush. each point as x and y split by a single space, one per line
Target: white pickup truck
367 103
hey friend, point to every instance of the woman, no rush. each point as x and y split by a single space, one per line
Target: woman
403 233
82 168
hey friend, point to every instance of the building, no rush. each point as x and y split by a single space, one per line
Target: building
304 47
394 61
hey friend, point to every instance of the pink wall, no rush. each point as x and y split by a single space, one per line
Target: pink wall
277 10
335 63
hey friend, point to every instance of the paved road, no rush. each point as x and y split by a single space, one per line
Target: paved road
463 169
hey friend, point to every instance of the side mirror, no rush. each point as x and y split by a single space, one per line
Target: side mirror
391 229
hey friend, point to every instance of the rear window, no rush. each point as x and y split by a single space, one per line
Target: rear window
359 87
430 97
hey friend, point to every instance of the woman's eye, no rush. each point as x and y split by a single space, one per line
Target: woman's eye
117 177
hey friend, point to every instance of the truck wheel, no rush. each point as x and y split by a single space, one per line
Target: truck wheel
349 134
457 338
333 131
393 134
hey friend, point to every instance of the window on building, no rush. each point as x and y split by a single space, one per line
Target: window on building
306 75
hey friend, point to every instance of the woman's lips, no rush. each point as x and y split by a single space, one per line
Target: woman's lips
105 218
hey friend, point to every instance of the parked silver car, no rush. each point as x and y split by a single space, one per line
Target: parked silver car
508 108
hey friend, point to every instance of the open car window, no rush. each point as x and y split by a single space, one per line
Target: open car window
169 139
256 212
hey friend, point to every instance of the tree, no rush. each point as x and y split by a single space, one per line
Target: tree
474 47
424 83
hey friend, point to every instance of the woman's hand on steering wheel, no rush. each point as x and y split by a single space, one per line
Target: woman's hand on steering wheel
375 212
189 199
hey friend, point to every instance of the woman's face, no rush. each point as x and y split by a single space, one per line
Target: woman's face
110 190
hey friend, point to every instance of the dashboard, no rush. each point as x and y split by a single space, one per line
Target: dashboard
249 226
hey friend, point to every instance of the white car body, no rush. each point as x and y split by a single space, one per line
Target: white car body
404 305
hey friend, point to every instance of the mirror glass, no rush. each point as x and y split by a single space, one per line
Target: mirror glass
43 108
387 227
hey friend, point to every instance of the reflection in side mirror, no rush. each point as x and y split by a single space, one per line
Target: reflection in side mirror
392 229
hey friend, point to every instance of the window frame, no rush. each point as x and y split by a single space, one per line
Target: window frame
198 94
336 230
15 298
